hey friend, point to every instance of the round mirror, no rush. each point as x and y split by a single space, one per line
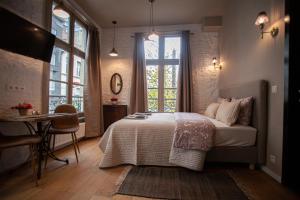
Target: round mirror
116 83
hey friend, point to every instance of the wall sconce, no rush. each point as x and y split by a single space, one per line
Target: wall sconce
215 63
261 19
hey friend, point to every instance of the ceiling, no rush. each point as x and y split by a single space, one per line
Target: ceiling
136 12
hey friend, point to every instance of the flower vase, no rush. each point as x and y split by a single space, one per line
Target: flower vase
114 102
23 112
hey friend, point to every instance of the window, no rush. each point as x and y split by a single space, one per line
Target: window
162 54
67 67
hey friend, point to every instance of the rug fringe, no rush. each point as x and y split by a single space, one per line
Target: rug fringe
122 178
241 185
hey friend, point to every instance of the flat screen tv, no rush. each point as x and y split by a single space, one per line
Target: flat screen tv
23 37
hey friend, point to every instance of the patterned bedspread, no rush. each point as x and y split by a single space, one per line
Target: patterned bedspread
147 142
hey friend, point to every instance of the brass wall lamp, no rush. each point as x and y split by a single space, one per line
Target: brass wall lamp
215 63
261 20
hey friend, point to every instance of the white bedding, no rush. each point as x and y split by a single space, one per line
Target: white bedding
148 142
236 135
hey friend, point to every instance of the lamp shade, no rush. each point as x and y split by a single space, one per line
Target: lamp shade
262 18
214 61
113 52
60 12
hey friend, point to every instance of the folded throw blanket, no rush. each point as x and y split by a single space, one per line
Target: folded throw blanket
193 132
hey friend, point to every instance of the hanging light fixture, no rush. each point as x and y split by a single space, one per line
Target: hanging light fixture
59 11
152 32
114 52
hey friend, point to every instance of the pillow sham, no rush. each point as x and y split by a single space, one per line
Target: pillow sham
211 110
246 107
228 112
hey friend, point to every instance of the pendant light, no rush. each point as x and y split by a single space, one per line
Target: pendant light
152 34
59 11
114 52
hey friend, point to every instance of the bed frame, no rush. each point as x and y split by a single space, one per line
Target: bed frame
254 154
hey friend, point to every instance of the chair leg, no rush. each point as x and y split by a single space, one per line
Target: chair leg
47 152
76 142
74 145
33 154
53 144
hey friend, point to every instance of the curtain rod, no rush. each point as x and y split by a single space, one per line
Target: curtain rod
164 32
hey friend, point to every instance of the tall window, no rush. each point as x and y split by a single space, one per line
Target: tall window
67 67
162 55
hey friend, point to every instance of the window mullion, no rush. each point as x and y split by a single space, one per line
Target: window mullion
71 60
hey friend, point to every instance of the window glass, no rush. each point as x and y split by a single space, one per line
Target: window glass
151 48
59 66
60 27
77 98
78 70
152 87
80 35
172 47
57 94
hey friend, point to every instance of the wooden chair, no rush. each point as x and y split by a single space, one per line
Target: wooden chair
21 140
66 125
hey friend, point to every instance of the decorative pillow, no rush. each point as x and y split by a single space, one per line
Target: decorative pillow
245 114
211 110
220 100
228 112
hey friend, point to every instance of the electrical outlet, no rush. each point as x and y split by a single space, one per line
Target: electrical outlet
274 89
272 159
14 88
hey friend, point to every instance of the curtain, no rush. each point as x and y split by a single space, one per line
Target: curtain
184 87
93 88
138 95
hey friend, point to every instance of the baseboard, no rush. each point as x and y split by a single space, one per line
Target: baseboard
271 173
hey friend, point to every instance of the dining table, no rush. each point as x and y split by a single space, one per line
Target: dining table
38 125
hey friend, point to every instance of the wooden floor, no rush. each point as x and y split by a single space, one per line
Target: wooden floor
85 181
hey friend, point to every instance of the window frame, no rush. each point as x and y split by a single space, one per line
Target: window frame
161 62
73 51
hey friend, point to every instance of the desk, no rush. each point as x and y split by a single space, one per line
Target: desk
42 123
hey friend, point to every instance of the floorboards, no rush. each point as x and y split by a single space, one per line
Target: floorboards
85 181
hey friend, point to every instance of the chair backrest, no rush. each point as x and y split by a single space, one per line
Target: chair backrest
66 122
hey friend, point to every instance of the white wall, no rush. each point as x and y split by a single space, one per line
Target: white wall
247 57
20 71
204 46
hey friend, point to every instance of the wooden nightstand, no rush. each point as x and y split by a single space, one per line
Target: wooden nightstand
112 113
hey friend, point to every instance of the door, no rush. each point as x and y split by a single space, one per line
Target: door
291 136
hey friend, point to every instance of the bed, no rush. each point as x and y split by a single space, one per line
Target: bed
150 141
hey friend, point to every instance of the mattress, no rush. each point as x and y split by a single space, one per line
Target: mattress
236 135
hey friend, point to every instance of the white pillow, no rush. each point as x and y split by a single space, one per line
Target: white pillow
228 112
211 110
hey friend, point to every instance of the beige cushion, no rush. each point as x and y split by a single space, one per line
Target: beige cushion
245 113
228 112
220 100
211 110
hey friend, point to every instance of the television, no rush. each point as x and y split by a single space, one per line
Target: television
23 37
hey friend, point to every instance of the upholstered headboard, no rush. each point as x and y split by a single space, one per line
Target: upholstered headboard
258 90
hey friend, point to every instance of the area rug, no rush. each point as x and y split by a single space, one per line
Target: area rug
179 183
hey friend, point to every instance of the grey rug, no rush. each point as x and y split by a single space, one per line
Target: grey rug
179 183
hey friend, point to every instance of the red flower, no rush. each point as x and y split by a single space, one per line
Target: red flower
22 106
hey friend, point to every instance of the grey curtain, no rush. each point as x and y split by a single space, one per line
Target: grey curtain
93 89
184 87
138 95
